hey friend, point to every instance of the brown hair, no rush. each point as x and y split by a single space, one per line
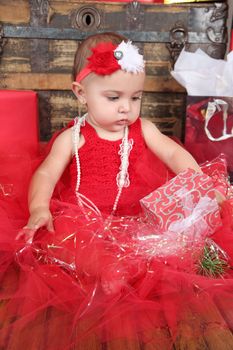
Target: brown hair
84 49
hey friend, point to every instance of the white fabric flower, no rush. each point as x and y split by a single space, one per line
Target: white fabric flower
129 58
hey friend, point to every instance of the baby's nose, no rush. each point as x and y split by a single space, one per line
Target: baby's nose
124 106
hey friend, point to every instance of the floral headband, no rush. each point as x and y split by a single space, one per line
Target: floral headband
107 58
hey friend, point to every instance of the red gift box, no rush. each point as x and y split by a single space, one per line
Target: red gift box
186 200
19 121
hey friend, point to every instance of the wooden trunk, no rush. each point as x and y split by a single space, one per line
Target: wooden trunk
38 40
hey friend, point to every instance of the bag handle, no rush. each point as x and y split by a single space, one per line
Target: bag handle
219 105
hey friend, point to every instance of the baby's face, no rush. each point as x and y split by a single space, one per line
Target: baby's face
114 100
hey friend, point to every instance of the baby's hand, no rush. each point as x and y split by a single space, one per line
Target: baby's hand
27 234
220 194
40 217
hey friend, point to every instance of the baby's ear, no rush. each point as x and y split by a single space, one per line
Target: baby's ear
78 90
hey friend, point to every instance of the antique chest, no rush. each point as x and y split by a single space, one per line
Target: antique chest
38 40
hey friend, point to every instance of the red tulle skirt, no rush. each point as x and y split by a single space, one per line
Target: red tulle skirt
111 283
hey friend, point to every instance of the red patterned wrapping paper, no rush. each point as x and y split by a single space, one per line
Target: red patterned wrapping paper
187 199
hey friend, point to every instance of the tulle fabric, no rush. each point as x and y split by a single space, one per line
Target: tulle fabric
102 282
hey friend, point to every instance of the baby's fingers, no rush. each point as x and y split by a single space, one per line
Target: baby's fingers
48 223
36 224
26 233
39 223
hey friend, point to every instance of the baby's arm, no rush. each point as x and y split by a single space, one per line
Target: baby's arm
44 181
170 152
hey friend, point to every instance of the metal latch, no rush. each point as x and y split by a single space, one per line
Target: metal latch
178 36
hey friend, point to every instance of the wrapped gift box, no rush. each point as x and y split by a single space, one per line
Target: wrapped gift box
19 121
187 199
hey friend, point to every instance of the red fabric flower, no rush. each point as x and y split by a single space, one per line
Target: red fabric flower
102 61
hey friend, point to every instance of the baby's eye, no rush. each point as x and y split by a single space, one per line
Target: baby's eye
136 98
112 98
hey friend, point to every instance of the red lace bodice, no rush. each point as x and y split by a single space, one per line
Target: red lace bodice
100 164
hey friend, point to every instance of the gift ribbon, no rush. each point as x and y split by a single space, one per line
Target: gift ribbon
204 207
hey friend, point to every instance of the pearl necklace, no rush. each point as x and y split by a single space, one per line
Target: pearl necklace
122 178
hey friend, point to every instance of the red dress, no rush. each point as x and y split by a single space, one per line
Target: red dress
100 163
95 283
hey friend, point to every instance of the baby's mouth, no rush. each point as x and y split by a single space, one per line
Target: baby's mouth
122 122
